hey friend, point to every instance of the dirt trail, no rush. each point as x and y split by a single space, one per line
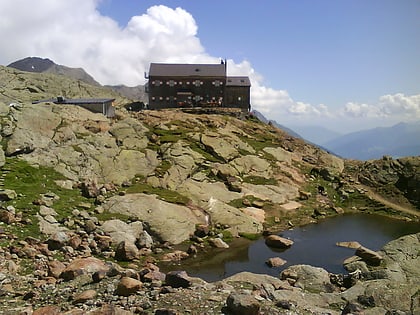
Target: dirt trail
402 208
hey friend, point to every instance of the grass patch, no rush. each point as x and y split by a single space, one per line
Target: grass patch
250 236
164 194
258 180
30 183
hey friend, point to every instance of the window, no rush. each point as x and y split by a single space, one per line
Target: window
171 83
197 83
217 83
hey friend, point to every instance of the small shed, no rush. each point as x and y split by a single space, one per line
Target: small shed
96 105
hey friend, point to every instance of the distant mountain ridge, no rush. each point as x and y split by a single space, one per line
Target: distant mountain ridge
45 65
402 139
39 65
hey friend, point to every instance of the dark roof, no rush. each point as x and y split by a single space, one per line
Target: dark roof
187 70
238 81
76 101
85 101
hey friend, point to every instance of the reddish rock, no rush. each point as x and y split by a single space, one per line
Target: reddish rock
278 241
7 217
103 242
128 286
178 279
369 256
47 310
275 262
84 296
126 251
55 268
83 266
175 256
242 304
75 241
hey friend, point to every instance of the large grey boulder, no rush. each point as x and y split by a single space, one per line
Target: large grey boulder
35 126
183 161
307 277
168 222
280 154
130 134
252 165
280 193
238 221
201 192
121 231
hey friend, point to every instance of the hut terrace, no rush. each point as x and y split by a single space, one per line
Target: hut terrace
196 85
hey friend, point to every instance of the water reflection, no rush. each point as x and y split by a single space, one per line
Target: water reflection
313 244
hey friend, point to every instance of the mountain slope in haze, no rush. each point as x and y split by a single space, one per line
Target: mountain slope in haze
316 134
400 140
262 118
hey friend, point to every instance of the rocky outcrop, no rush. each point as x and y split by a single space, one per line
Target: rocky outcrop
168 222
402 174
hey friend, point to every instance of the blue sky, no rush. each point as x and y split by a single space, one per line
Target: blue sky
347 64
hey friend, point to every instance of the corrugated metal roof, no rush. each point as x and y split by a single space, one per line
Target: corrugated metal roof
238 81
87 100
183 70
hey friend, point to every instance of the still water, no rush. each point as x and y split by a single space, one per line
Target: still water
314 244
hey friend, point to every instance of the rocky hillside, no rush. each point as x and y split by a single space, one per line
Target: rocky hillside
90 206
45 65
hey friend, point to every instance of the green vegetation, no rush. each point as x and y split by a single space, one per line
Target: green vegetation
258 180
30 183
164 194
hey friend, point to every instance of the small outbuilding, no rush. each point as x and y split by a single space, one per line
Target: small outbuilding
96 105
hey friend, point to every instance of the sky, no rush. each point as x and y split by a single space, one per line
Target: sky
345 65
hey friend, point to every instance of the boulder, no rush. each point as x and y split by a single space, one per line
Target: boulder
144 240
242 304
7 216
167 221
128 286
218 243
55 268
7 194
275 262
121 231
369 256
278 241
48 310
58 240
126 251
252 165
308 278
83 266
178 279
238 221
84 296
279 154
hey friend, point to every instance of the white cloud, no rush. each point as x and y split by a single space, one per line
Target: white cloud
396 107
